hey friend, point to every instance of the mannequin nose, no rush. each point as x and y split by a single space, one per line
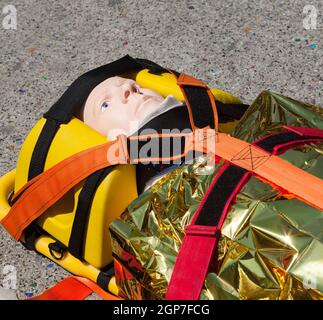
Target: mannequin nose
127 89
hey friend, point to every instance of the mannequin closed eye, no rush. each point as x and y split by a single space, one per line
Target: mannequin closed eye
137 89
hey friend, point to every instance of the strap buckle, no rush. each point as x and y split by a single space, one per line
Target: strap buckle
200 230
58 248
203 140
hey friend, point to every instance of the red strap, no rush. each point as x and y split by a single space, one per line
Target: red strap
192 263
197 250
288 145
310 132
74 288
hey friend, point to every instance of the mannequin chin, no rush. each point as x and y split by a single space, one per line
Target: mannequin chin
117 105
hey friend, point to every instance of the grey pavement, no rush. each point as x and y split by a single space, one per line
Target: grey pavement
240 46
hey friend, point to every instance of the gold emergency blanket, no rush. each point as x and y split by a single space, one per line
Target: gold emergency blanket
271 247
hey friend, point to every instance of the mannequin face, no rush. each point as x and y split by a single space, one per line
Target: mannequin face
117 104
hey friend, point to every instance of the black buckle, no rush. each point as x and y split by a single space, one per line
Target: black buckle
57 247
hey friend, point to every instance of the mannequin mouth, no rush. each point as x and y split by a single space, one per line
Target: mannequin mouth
145 100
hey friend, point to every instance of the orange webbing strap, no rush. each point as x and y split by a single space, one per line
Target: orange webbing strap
185 82
43 191
40 193
74 288
51 185
272 168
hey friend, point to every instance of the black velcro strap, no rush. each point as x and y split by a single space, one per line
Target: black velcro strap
159 147
200 105
31 234
270 142
77 238
38 158
222 190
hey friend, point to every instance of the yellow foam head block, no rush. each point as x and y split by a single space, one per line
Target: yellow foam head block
116 191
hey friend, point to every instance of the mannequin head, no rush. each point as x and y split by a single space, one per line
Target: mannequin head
117 104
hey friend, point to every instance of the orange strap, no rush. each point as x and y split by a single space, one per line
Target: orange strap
272 168
74 288
185 80
46 189
40 193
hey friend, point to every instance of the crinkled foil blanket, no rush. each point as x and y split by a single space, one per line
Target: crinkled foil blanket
271 247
